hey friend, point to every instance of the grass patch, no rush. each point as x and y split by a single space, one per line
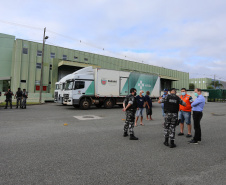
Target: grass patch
14 103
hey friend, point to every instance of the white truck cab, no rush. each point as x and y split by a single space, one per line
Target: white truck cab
59 89
79 85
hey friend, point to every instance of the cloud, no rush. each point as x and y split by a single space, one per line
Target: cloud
182 35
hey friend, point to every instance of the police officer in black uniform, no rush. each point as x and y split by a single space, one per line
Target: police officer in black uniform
18 96
171 108
8 95
25 96
130 107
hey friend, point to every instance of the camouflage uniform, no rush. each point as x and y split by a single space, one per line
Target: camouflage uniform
171 108
171 120
130 113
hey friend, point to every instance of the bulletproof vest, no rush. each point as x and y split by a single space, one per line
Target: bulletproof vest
171 104
131 98
19 93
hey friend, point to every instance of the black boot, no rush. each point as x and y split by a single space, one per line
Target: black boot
125 134
172 145
132 137
166 141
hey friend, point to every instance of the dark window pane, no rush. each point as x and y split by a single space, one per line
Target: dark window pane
38 65
52 55
79 85
25 50
39 53
64 57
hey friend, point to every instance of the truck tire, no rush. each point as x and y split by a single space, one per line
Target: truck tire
84 104
108 103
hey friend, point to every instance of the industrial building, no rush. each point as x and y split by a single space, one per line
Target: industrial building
203 83
20 66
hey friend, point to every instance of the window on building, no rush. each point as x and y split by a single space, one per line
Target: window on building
52 55
49 83
79 84
86 59
38 65
195 82
25 51
76 58
203 81
64 57
23 81
37 82
39 53
199 82
50 67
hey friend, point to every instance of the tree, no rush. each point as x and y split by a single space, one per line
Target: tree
216 84
210 87
191 86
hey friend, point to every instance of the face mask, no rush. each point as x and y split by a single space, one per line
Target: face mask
142 94
165 93
183 93
135 94
196 94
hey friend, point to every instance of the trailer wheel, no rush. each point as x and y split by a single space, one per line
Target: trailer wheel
84 104
109 103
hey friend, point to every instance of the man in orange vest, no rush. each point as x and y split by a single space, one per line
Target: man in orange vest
185 113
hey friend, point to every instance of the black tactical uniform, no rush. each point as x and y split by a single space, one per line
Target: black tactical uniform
171 108
130 116
18 98
24 95
8 95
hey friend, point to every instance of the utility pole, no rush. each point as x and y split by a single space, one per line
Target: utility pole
214 83
41 78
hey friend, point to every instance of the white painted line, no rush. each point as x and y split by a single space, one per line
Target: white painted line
87 117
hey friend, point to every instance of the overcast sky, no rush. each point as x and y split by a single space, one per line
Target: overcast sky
185 35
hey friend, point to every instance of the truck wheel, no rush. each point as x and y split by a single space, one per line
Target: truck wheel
84 104
109 103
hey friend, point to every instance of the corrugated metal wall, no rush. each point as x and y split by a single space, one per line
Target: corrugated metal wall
24 65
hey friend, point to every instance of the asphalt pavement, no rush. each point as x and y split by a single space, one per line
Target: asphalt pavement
47 144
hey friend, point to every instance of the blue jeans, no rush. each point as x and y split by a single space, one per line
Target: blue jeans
185 116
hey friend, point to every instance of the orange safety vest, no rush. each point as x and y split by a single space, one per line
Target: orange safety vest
186 108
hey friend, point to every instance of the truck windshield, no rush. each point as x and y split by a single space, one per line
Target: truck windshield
69 85
57 86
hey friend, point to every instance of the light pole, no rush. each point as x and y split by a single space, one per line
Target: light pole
41 78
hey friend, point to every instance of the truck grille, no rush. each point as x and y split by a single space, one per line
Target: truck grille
66 96
56 95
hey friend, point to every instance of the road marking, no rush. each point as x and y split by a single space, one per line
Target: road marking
87 117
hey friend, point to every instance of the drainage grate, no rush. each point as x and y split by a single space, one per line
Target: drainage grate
87 117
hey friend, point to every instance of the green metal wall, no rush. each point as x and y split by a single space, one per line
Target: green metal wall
6 53
201 83
24 65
